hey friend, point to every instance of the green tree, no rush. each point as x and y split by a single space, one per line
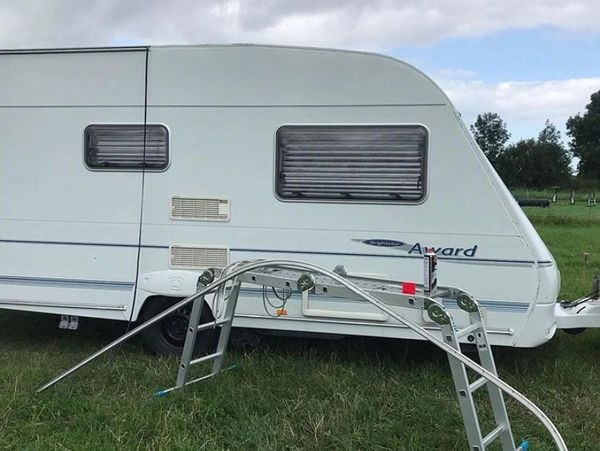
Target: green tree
491 134
550 134
536 163
584 131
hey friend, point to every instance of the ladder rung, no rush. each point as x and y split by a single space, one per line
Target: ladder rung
206 358
211 324
467 330
494 434
477 384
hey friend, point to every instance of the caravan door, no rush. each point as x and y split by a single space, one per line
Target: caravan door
69 208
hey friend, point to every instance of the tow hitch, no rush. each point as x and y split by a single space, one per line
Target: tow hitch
575 316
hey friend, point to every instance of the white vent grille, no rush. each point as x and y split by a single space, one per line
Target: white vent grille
193 257
200 208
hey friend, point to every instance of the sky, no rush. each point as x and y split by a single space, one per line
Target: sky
527 60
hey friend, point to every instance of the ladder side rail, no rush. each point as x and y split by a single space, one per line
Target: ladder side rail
486 358
396 298
463 393
230 305
190 341
440 291
492 378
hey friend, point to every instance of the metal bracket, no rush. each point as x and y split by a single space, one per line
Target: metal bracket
306 282
438 314
467 303
206 278
68 322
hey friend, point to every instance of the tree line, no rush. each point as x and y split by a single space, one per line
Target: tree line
544 161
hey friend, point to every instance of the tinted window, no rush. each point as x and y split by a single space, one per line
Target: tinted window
352 163
121 146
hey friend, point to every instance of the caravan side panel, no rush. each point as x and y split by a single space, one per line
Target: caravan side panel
68 235
224 106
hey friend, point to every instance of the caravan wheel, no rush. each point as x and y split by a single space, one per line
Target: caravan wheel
167 337
575 331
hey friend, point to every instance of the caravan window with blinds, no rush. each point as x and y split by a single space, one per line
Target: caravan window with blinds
121 146
352 163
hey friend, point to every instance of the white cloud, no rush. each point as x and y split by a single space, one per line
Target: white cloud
362 24
372 24
526 104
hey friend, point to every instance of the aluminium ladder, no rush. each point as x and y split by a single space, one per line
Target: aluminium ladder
384 294
382 289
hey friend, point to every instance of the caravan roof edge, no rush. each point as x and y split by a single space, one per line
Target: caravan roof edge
72 50
310 48
142 48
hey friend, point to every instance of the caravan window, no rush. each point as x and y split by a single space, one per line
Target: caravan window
121 146
352 163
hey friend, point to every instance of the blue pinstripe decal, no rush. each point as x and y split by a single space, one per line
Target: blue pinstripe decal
82 243
290 251
420 257
70 283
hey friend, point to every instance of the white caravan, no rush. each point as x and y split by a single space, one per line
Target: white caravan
326 156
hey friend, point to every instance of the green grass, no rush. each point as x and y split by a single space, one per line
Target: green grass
291 394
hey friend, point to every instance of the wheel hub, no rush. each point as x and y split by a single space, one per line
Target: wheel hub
174 327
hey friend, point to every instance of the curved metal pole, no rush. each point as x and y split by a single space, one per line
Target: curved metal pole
495 380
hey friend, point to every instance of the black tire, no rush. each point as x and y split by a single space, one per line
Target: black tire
166 338
575 330
245 340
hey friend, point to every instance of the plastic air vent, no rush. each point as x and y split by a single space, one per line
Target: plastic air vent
200 208
195 257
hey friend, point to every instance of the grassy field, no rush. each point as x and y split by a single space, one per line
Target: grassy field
296 393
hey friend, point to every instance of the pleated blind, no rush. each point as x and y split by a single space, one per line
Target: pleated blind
363 163
121 146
